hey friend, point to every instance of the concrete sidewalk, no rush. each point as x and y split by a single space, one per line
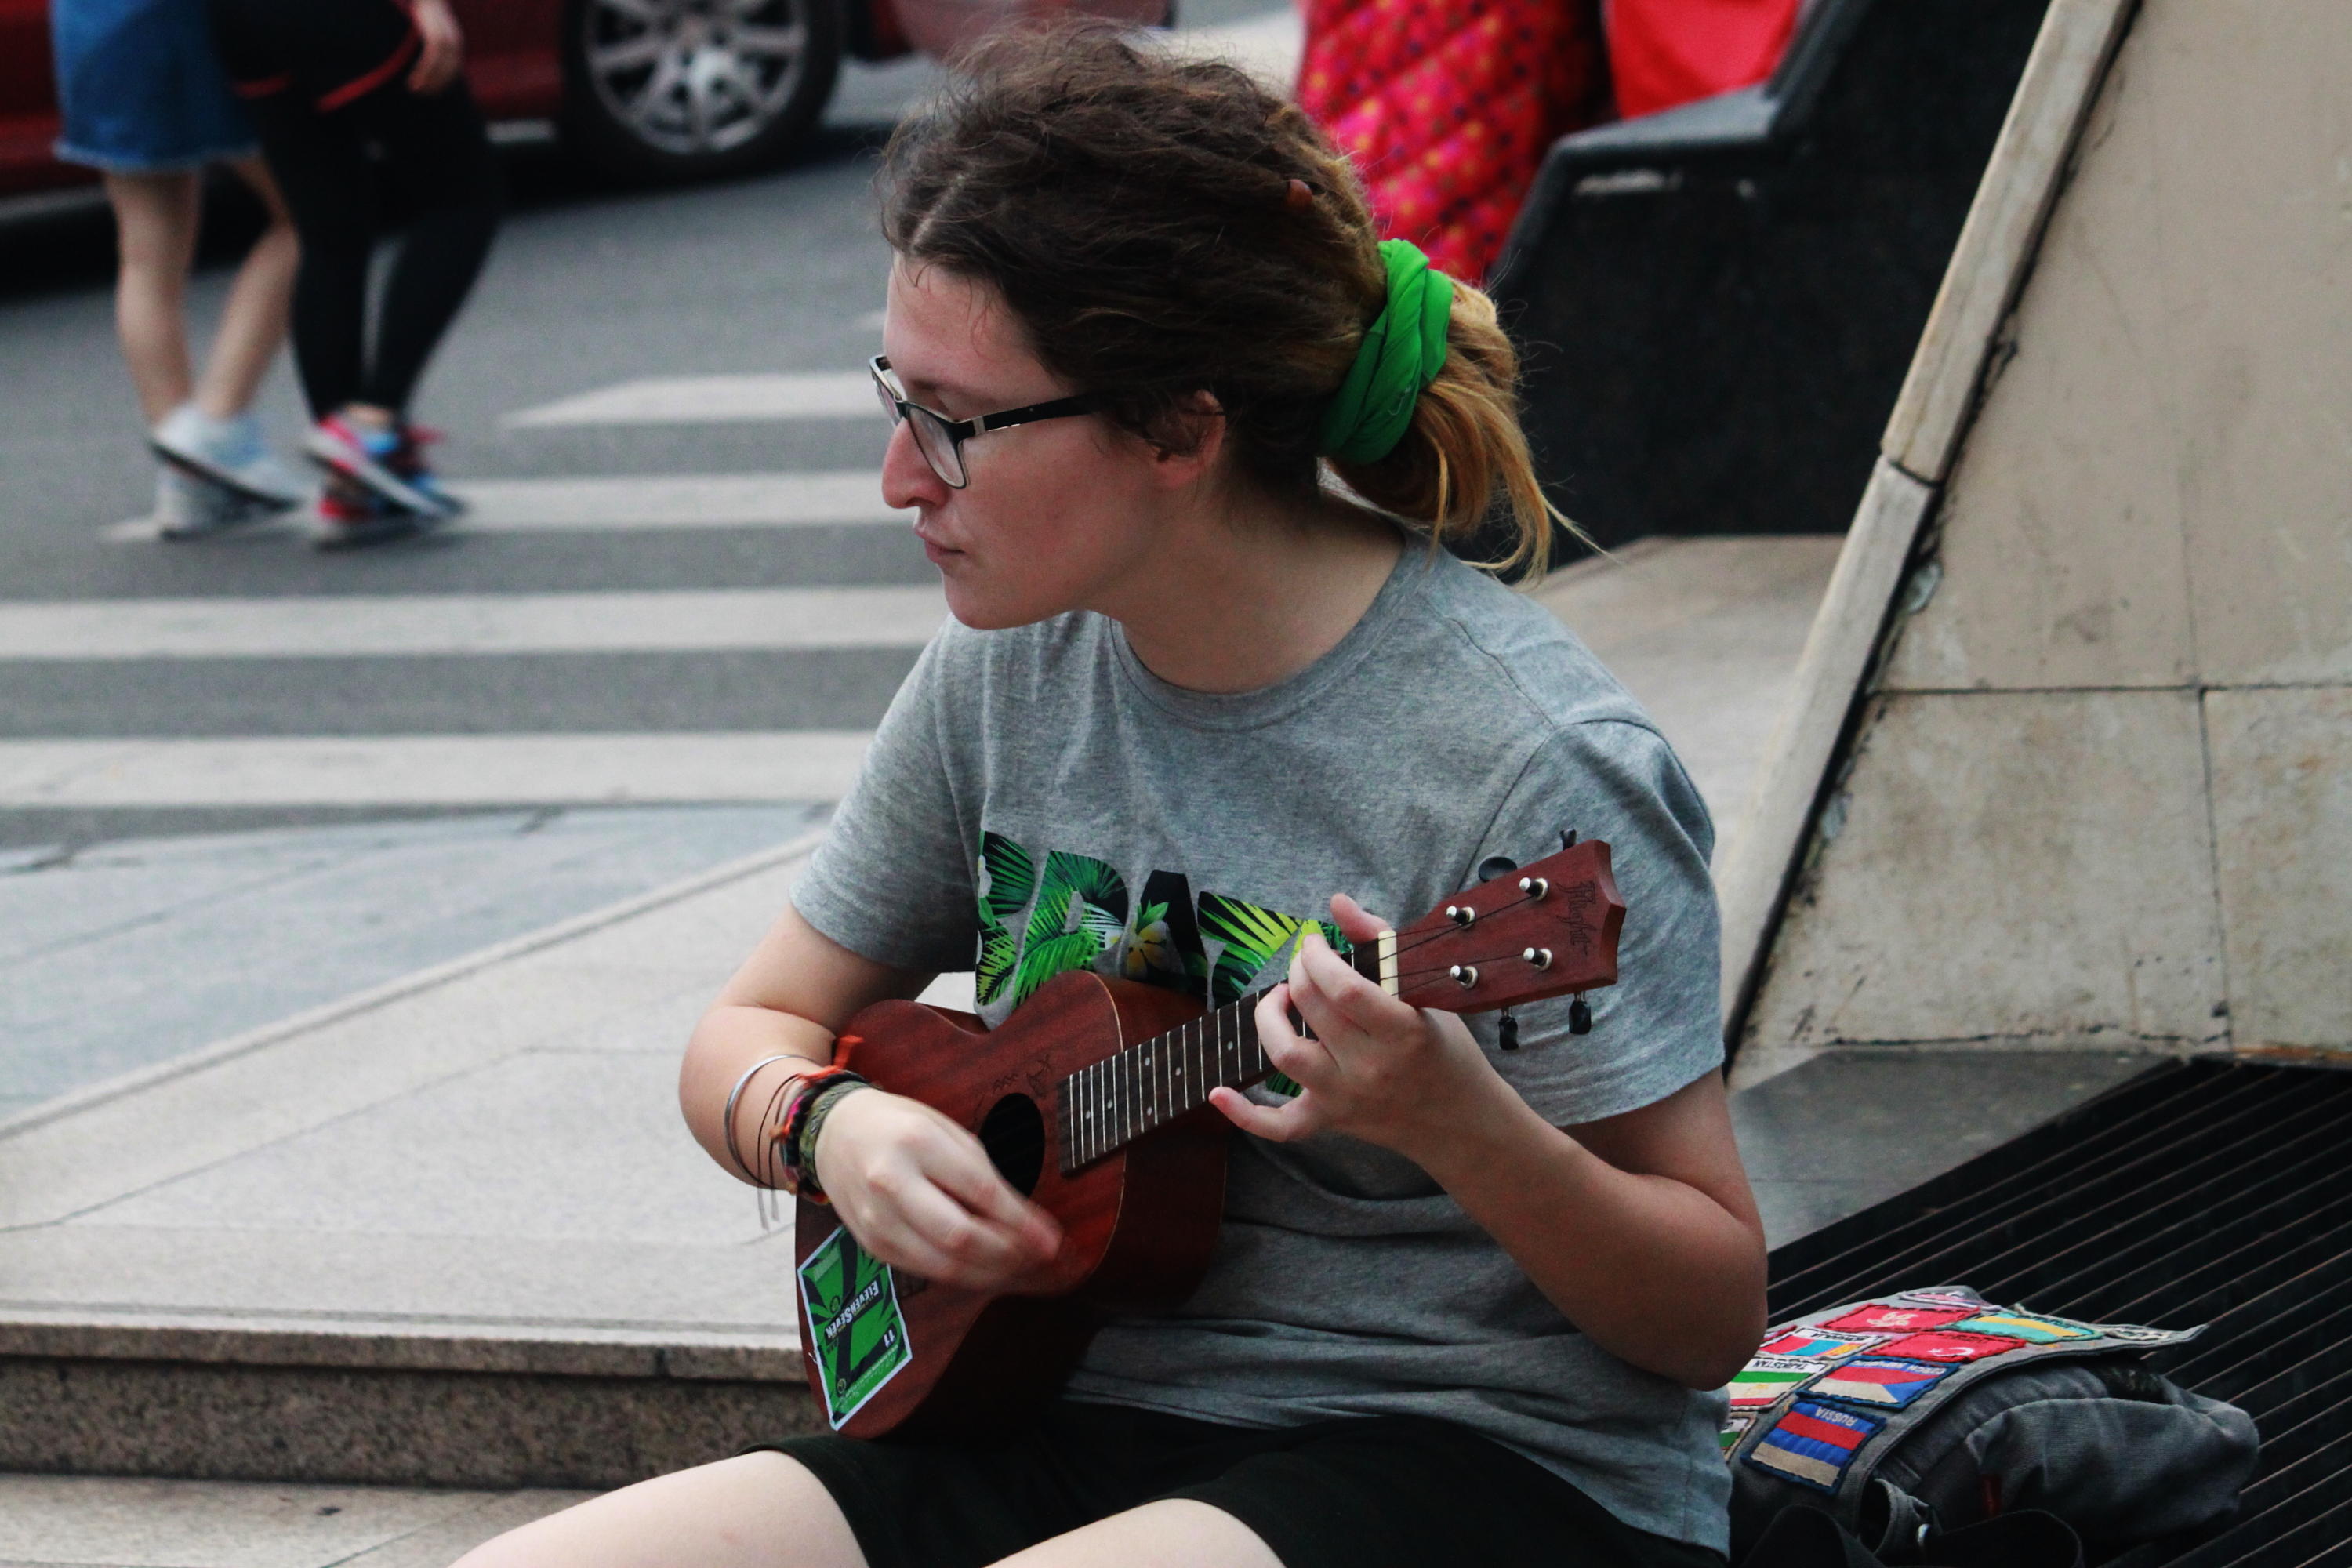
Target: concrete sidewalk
473 1177
448 1233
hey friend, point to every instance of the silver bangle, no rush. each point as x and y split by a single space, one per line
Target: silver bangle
734 1097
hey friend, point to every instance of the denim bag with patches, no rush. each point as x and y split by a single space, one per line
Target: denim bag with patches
1913 1416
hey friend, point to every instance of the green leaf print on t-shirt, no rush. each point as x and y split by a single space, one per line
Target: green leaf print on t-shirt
1245 939
1080 913
1007 876
1212 948
1248 939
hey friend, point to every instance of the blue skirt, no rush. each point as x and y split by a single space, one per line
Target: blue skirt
141 89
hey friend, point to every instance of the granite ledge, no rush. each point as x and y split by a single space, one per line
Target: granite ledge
220 1422
501 1350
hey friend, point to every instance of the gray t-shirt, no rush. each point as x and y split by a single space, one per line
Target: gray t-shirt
1038 801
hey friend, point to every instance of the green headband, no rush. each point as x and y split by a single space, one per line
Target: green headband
1401 352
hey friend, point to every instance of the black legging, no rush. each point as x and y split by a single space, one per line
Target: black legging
326 80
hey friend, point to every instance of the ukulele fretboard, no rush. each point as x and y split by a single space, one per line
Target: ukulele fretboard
1145 1087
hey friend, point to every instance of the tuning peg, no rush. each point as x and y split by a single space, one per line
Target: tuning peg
1568 838
1579 1016
1495 866
1507 1031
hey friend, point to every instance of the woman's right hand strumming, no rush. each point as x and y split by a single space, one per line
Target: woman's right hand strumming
915 1189
920 1193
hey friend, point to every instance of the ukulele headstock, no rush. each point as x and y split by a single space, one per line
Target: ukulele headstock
1544 929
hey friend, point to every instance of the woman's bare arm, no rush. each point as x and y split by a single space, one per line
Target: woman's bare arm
791 997
1640 1228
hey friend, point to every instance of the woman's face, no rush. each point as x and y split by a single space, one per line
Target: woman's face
1056 515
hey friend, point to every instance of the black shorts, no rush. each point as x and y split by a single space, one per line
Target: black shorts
1373 1492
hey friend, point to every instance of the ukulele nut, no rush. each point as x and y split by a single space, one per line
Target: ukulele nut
1461 914
1465 975
1535 887
1539 956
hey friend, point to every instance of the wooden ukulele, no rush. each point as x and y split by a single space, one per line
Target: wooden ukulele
1092 1099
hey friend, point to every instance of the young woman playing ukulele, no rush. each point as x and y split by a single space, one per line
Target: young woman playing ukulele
1467 1302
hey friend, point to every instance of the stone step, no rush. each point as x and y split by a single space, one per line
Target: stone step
378 1403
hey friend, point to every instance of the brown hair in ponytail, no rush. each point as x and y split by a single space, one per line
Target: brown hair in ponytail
1163 227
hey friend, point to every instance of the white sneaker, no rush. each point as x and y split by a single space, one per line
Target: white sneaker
230 453
190 508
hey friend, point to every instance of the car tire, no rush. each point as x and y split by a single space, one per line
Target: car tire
679 90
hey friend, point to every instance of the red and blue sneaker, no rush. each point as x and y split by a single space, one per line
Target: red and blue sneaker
350 515
388 464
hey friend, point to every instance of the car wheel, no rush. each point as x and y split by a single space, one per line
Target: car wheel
679 88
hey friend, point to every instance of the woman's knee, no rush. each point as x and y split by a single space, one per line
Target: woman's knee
155 219
755 1510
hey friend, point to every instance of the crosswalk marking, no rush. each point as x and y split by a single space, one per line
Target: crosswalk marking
650 501
431 770
709 399
515 766
349 625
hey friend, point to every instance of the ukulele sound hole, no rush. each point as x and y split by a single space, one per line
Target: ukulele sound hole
1013 1134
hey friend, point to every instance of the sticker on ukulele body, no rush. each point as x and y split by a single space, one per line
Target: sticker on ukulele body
856 1331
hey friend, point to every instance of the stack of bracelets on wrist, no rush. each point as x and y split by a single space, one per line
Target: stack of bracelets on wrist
794 1142
787 1125
799 1165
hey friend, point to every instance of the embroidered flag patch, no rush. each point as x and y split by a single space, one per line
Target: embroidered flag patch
1813 1443
1948 1345
1734 1428
1890 1319
1873 1380
2026 1326
1813 1343
1767 1378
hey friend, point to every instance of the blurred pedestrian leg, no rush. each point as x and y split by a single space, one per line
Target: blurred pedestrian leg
144 100
349 96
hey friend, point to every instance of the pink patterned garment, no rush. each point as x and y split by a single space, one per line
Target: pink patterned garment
1447 105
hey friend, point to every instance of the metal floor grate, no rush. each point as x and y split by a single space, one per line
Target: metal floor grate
2203 1192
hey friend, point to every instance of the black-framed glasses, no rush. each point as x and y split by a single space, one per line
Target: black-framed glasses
940 440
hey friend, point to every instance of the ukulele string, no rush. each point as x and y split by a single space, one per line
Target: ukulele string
1469 962
1243 1007
1439 933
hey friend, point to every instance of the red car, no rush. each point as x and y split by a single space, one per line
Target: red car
645 87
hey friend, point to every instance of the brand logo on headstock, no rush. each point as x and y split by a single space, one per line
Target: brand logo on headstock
1581 932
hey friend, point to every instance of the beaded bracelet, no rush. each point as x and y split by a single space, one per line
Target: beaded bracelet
795 1176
